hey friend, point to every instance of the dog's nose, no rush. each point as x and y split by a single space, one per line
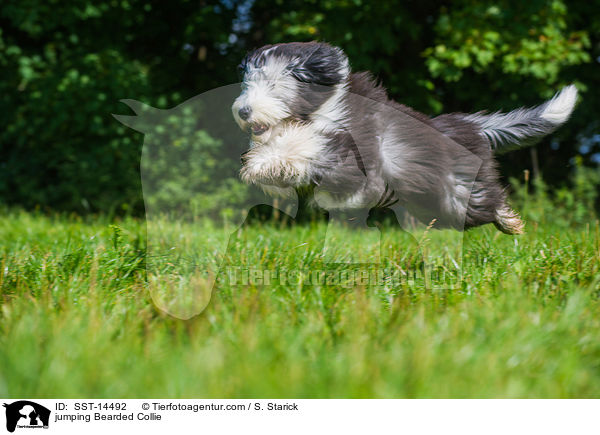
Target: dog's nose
244 113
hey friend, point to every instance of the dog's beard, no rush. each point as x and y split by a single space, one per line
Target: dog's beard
283 156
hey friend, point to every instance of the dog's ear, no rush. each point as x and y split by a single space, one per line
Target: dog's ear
323 65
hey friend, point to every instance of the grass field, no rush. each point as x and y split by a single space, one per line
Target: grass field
77 319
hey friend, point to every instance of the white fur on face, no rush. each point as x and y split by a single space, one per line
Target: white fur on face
266 91
285 159
283 154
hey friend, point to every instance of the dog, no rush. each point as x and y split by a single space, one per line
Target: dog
316 124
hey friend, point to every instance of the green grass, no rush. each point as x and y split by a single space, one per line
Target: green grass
77 319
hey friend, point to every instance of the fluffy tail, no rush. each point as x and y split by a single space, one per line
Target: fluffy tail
524 127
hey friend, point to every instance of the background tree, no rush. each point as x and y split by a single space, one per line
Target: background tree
66 64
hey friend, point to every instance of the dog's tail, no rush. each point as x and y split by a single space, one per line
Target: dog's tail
525 126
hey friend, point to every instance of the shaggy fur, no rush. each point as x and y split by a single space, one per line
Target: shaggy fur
314 123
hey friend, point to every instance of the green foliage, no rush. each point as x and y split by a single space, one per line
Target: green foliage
64 65
572 205
528 39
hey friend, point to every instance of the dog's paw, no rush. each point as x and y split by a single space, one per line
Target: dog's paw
508 221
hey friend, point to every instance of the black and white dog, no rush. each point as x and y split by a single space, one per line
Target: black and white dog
315 123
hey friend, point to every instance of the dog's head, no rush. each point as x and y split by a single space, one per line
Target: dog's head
287 82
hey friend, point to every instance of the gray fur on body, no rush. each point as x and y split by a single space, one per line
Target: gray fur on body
339 131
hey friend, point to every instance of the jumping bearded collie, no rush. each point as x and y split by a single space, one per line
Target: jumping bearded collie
315 124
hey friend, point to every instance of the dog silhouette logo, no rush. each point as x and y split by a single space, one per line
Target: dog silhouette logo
26 414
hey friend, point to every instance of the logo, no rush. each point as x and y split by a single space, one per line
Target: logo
26 414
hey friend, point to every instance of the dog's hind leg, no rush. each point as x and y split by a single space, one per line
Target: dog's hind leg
508 221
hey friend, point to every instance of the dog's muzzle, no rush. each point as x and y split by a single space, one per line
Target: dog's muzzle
258 129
